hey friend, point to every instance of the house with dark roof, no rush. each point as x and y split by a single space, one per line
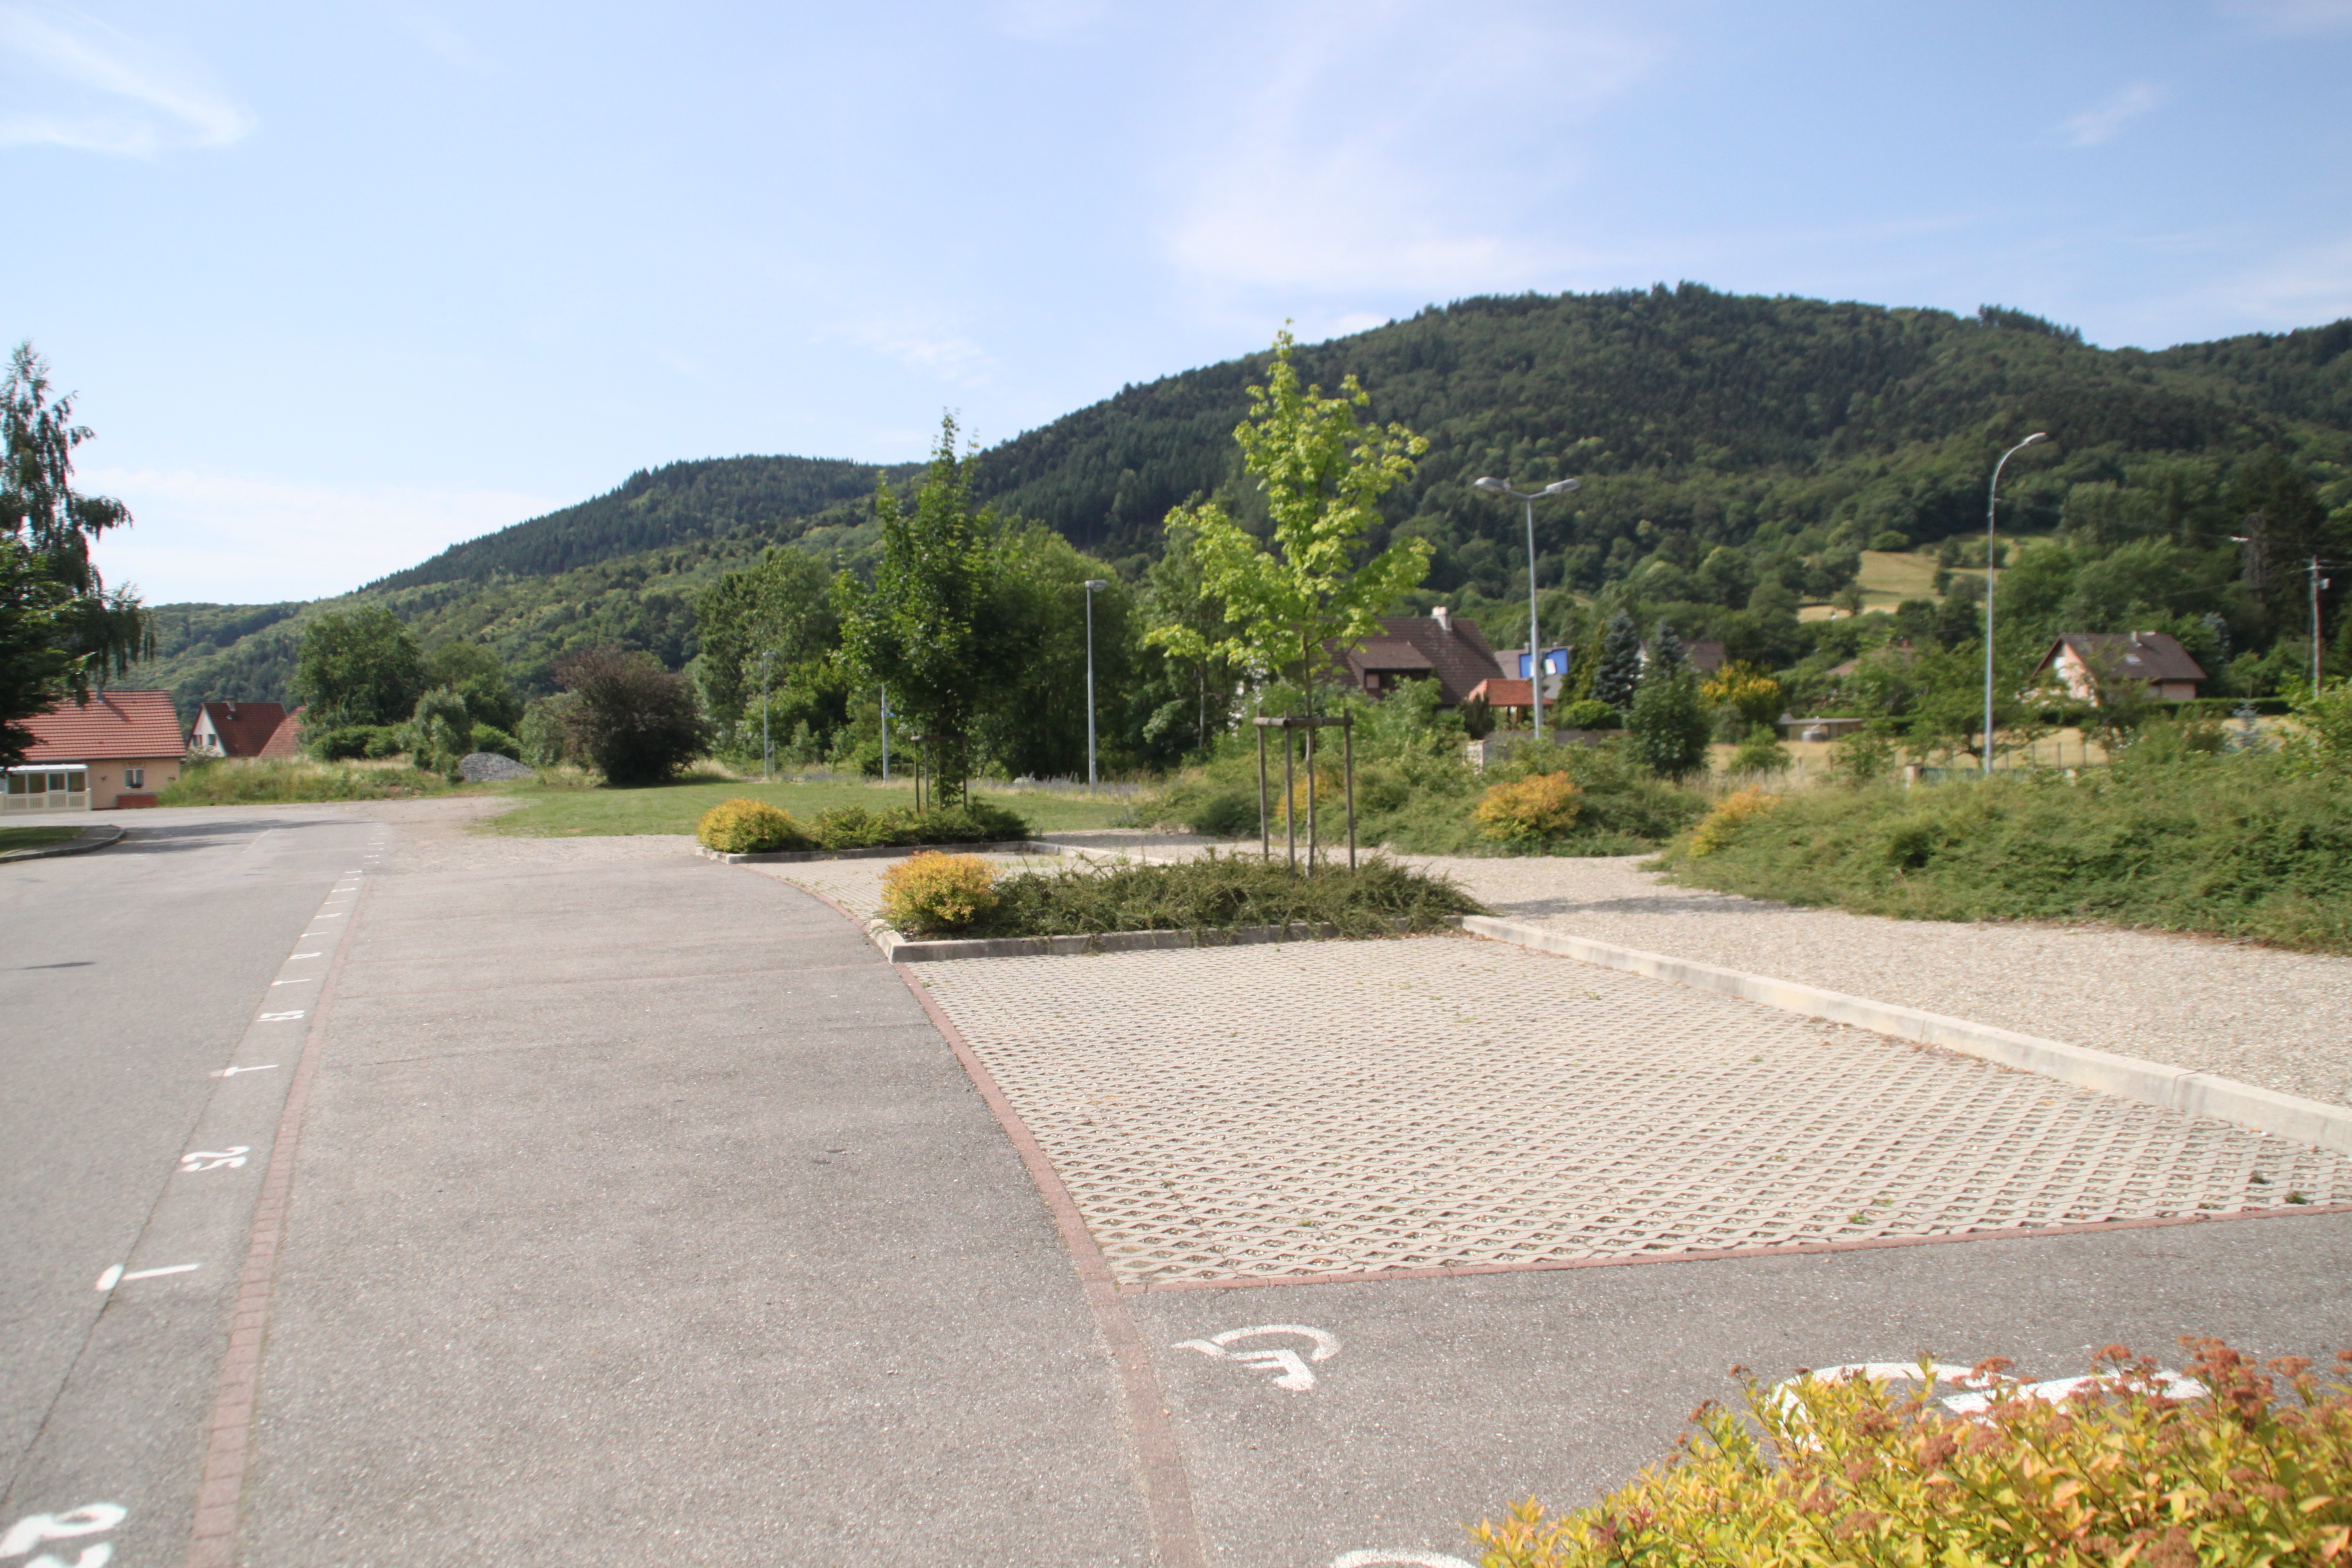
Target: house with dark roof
115 750
1439 646
2084 661
244 729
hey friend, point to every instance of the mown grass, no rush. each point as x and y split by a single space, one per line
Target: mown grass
563 807
1221 892
34 838
245 781
2231 846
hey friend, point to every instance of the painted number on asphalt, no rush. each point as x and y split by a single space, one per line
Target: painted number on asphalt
42 1529
228 1159
1291 1367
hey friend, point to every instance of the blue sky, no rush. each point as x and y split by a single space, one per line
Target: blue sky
340 284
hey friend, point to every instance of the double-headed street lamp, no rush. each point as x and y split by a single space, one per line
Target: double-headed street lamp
1535 672
1090 585
1992 494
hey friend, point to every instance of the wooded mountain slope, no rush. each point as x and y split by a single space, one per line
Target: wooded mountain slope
1788 432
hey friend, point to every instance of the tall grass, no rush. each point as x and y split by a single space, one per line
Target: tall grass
2228 845
245 781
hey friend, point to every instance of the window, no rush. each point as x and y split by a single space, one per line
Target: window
134 778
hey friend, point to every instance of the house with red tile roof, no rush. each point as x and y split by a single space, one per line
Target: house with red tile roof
244 729
115 750
1438 646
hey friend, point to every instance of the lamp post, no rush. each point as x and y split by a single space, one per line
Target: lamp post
1535 671
1992 498
885 734
1090 585
767 747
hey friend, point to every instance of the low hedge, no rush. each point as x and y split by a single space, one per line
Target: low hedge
1215 892
745 826
1825 1473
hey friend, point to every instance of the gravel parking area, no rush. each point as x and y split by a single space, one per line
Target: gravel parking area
2276 1019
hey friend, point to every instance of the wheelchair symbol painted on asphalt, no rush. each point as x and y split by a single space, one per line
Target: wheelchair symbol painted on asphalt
1285 1360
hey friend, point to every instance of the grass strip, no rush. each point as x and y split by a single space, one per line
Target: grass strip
34 838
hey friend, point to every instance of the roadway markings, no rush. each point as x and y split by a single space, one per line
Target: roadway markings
231 1072
1295 1375
115 1276
228 1159
1378 1559
281 1018
42 1529
1977 1393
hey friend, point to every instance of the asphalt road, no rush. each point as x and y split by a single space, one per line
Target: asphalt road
132 977
642 1214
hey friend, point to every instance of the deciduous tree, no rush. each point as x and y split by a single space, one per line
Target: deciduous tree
358 667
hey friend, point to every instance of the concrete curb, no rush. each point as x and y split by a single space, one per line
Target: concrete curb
2314 1122
97 837
794 857
901 949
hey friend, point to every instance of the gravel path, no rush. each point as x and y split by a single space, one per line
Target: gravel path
2277 1019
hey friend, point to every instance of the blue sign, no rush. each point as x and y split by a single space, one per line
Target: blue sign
1555 662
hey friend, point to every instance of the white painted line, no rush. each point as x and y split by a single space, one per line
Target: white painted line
325 917
306 980
307 955
111 1278
177 1268
199 1160
278 1018
231 1072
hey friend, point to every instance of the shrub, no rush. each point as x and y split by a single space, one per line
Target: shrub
635 721
238 781
1747 691
1862 756
1825 1472
546 734
744 826
441 730
1586 713
1538 807
350 741
497 742
935 892
1669 724
1222 892
1760 751
1722 825
2321 742
973 822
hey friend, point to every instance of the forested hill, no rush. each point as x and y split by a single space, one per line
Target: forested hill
654 509
1728 445
1681 402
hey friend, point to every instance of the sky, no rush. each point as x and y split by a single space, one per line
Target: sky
339 285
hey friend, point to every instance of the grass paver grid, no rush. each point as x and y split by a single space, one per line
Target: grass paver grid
1327 1107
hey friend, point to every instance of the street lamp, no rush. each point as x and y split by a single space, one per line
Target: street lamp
1534 635
1090 585
1992 493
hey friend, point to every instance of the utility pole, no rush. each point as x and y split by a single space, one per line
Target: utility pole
885 734
1090 585
2317 583
767 746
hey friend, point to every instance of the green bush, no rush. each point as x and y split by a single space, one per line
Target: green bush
974 822
353 741
441 730
1586 713
2232 845
1827 1472
1222 892
744 826
497 742
934 892
1669 725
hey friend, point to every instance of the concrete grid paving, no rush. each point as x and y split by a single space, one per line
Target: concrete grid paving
1339 1107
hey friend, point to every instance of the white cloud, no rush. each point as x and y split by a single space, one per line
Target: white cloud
919 342
227 539
1295 184
2101 121
99 90
2294 16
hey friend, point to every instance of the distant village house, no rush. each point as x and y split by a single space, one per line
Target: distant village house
245 729
1439 646
2084 660
116 750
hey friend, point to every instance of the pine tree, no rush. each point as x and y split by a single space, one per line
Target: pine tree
1666 655
1620 671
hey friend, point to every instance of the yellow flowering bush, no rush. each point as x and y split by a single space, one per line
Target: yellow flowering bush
1530 810
1720 826
744 826
935 892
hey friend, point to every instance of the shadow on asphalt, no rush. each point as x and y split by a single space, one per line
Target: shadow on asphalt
178 837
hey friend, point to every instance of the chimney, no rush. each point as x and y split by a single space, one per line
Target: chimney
1444 619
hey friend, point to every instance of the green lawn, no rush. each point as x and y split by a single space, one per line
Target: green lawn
559 810
33 838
